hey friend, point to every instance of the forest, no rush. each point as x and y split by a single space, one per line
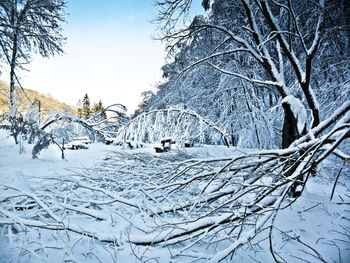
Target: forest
241 154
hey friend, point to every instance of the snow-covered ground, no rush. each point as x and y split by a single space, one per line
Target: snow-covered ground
311 225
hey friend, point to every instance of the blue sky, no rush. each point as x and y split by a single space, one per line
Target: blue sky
109 54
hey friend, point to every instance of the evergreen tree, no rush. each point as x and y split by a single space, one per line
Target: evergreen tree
86 106
98 107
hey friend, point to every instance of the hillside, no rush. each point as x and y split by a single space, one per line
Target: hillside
47 103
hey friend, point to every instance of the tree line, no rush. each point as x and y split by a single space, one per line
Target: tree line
84 108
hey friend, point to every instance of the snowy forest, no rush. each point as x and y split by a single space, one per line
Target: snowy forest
241 154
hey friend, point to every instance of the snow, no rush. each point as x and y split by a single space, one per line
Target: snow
298 110
314 219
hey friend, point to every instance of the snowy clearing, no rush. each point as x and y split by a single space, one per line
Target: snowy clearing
96 206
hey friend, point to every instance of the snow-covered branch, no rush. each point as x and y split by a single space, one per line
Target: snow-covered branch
175 123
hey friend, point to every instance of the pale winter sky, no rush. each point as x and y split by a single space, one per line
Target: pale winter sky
109 54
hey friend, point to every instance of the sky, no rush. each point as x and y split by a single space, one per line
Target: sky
109 54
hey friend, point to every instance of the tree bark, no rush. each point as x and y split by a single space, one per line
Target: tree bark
12 88
290 128
290 133
12 77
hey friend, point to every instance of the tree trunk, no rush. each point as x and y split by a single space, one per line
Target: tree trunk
290 128
12 71
12 88
311 102
290 133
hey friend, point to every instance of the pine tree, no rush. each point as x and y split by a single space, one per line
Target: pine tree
86 106
101 108
98 107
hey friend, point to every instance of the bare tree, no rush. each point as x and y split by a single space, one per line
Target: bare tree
97 125
29 26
